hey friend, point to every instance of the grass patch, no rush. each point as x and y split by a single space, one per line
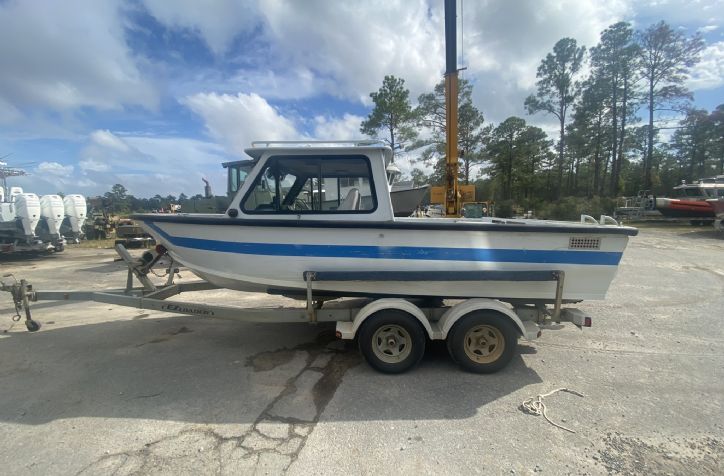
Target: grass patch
109 243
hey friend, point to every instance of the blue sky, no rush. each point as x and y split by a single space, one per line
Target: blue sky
155 94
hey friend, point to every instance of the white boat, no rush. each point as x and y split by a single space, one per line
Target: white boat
280 225
405 196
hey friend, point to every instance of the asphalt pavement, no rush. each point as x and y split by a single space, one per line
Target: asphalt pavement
103 389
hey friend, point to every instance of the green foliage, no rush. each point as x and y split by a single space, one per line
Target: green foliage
392 119
557 89
504 209
471 134
664 58
516 152
571 208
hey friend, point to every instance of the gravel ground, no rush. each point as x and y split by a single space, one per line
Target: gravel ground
104 389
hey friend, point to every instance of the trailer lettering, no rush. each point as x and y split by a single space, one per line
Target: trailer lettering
186 310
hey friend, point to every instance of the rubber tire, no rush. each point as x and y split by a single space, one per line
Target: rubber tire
456 340
399 318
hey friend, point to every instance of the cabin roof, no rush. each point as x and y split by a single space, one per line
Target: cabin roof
307 148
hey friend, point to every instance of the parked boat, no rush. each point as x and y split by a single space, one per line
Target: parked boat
690 200
276 229
406 197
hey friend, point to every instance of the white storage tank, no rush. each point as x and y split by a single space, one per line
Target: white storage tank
52 209
27 210
76 211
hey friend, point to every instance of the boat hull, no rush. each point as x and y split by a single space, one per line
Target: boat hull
674 208
231 254
406 201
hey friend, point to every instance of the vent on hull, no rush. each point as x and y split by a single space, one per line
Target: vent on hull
584 243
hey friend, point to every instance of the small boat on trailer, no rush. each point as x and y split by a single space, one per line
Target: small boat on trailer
315 221
297 212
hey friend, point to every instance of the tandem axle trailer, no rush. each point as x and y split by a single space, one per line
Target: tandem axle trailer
481 334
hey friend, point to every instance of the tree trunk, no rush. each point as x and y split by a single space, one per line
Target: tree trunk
621 139
597 157
614 141
650 146
604 173
560 153
392 142
509 184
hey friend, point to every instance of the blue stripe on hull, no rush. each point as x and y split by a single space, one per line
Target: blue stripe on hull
500 255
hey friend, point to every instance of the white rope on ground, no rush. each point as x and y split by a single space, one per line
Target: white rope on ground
535 406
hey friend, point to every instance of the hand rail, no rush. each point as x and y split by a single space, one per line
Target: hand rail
352 142
588 219
605 219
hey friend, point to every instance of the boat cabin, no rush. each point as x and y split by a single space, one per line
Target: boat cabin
311 180
237 172
704 189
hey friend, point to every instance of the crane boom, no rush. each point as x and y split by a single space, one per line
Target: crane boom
452 195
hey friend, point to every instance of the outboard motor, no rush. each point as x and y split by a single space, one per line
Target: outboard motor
52 212
14 191
27 211
76 212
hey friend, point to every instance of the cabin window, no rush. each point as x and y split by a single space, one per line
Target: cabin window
237 173
312 185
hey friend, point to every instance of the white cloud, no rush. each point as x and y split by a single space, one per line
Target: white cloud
346 127
505 42
237 120
709 72
357 43
92 165
107 139
147 166
707 28
8 113
218 22
60 56
55 169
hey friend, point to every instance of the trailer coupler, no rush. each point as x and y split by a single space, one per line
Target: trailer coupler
22 294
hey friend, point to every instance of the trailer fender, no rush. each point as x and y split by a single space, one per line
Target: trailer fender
347 330
448 320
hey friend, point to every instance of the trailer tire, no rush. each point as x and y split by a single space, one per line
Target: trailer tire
482 342
392 341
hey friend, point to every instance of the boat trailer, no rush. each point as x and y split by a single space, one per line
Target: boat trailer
481 332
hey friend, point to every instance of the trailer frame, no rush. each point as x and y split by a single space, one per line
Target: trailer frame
350 315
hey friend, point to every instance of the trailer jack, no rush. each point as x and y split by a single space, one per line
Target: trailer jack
22 294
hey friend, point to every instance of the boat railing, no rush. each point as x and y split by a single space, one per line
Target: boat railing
309 143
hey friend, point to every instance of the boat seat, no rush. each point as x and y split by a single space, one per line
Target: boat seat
352 201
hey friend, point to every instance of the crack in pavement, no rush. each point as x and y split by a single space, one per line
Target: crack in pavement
274 440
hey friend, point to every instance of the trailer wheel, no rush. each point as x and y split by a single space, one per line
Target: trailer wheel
392 341
482 342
